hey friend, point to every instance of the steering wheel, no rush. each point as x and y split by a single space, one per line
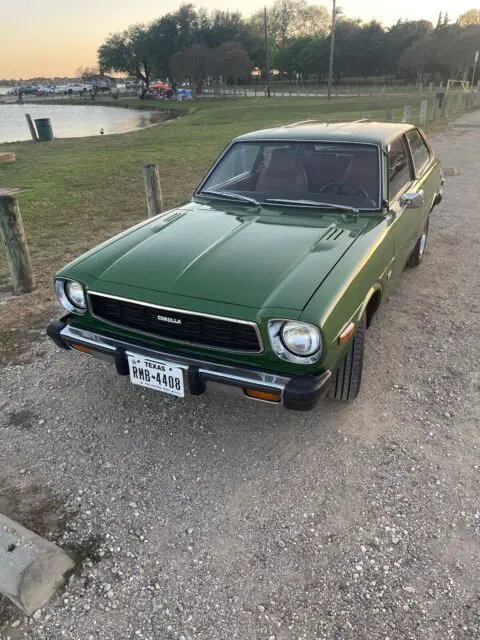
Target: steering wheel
339 184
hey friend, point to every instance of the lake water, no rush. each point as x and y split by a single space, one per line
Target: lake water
72 121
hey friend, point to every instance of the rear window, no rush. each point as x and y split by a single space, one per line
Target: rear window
399 170
420 151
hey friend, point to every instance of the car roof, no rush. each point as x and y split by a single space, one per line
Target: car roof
366 131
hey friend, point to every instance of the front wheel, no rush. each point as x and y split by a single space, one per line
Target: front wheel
348 377
417 254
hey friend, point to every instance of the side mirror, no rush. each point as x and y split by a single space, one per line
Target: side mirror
412 200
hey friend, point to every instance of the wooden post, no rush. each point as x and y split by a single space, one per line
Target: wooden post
31 126
407 113
13 236
153 190
423 112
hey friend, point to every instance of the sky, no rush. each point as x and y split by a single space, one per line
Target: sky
55 37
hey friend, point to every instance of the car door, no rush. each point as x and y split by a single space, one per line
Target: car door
406 223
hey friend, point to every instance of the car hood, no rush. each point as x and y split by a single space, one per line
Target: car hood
272 258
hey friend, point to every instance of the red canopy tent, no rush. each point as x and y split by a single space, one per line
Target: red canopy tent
160 85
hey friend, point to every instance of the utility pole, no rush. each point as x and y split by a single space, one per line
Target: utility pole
267 62
332 48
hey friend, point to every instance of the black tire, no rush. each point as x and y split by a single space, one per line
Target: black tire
347 379
419 250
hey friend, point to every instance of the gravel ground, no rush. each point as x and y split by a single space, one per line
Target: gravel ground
216 518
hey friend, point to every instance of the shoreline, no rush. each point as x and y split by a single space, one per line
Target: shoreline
169 116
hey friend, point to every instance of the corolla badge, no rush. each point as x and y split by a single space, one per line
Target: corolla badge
167 319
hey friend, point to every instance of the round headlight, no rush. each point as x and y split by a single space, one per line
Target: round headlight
300 338
74 291
71 295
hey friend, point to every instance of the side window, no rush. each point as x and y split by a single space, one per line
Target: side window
420 151
399 170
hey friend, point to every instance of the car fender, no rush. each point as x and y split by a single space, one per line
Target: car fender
363 273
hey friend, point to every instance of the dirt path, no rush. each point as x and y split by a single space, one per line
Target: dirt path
218 519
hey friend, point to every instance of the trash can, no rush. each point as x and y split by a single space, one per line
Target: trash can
439 98
44 129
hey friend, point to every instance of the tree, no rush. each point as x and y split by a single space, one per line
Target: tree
345 35
368 49
417 57
220 27
401 36
463 49
86 73
230 60
472 16
313 58
289 19
448 52
292 57
130 51
191 63
172 33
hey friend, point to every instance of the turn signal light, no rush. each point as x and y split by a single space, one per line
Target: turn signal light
80 347
268 396
347 333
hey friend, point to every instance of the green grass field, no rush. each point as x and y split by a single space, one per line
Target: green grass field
78 192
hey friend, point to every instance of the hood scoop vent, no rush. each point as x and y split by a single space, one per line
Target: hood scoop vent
333 234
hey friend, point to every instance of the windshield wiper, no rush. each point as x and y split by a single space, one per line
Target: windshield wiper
310 203
229 194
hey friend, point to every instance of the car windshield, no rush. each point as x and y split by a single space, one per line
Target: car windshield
336 175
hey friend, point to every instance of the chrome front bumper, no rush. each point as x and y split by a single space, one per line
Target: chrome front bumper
296 392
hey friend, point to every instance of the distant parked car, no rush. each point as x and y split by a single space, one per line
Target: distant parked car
78 88
266 282
61 88
27 90
101 86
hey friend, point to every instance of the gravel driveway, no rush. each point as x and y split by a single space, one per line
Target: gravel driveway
219 519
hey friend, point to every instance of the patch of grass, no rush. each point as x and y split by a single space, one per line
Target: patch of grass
79 192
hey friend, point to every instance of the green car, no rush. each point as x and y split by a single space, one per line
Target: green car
265 282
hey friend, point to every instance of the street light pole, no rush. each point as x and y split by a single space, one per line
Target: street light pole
267 62
332 48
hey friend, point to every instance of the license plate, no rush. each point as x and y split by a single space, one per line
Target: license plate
154 374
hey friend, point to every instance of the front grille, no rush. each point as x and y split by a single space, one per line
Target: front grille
199 330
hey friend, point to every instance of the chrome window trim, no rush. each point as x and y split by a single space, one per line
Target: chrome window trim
176 310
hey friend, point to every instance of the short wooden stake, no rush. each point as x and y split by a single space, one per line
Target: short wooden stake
13 236
153 190
423 112
407 113
31 126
